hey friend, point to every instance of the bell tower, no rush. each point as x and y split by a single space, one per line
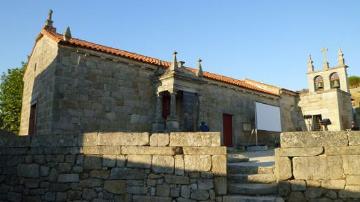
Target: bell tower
328 78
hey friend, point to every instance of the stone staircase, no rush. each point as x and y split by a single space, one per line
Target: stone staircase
251 177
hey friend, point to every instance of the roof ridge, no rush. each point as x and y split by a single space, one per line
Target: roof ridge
150 60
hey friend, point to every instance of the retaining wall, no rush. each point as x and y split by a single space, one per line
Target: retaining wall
113 167
319 166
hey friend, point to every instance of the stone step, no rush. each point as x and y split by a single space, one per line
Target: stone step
249 169
236 158
242 198
251 178
253 189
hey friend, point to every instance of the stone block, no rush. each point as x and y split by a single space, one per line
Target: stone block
163 164
200 195
162 190
220 184
91 150
28 170
197 139
296 196
123 138
139 161
159 139
353 180
312 193
314 139
333 184
283 167
101 174
350 191
44 171
89 194
354 138
136 190
139 198
127 174
68 178
313 183
205 184
179 165
175 192
92 162
204 150
109 160
219 165
185 191
88 139
91 182
148 150
298 185
109 150
319 167
115 186
173 179
348 150
351 164
201 163
307 151
120 160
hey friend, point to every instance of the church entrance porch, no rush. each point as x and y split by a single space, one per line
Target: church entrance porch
177 111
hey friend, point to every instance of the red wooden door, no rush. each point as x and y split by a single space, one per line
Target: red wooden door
227 130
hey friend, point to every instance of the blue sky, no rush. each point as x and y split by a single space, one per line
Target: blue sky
268 41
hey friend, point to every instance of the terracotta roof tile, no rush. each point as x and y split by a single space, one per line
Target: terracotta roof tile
150 60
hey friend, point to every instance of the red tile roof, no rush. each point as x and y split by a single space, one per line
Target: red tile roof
150 60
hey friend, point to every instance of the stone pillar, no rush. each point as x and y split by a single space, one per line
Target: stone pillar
158 124
172 124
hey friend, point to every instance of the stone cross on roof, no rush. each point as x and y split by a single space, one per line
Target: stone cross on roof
325 61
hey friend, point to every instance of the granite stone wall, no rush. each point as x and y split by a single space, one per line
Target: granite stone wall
319 166
113 167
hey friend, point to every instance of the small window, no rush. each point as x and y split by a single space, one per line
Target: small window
32 121
334 80
319 83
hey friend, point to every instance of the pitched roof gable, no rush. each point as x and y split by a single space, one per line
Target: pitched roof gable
150 60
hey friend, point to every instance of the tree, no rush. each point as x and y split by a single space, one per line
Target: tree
354 81
11 89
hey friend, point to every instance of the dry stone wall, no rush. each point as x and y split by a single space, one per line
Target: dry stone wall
113 167
319 166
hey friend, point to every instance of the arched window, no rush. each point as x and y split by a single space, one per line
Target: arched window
319 83
334 80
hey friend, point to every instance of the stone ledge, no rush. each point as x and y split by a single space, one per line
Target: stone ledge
148 150
205 150
335 151
122 138
308 151
197 139
314 139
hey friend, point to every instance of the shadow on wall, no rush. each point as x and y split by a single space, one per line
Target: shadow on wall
113 167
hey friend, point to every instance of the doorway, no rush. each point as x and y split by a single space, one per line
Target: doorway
227 130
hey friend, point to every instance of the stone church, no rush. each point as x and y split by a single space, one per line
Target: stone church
74 86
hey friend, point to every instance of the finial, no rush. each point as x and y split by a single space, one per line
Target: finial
325 61
199 71
49 22
341 59
182 63
67 34
174 64
310 64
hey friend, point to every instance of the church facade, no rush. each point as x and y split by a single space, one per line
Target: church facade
74 86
